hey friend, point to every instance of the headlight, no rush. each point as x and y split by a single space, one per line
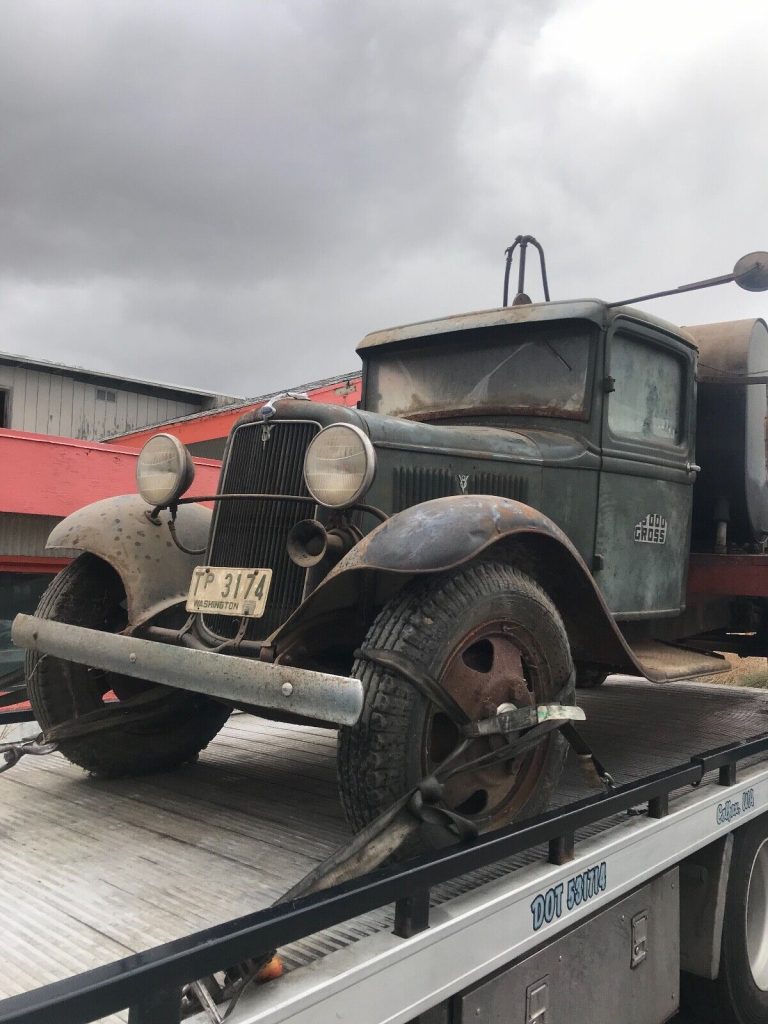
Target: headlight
164 470
339 465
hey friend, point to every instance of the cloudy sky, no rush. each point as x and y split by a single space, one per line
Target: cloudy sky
229 194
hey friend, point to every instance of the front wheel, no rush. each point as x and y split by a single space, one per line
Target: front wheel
489 635
89 593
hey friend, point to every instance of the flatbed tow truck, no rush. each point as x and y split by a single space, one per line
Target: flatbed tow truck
510 515
117 893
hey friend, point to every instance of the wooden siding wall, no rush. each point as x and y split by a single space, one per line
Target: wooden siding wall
52 403
25 535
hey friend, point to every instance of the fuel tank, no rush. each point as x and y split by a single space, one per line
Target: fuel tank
731 433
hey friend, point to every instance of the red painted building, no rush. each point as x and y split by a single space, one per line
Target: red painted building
205 433
43 479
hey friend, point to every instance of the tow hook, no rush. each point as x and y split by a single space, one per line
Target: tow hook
12 753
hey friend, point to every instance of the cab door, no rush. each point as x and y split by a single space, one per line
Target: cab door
646 479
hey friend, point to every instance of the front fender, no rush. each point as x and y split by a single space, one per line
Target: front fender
443 534
154 571
446 532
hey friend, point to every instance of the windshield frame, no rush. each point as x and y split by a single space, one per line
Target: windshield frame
511 335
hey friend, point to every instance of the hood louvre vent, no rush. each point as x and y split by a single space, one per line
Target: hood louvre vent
505 485
413 485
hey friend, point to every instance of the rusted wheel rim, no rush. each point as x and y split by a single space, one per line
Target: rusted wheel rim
495 663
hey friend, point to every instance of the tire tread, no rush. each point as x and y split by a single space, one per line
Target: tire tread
82 594
373 754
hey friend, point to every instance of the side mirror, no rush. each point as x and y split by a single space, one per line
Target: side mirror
751 272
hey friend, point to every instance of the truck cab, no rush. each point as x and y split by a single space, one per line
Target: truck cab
592 413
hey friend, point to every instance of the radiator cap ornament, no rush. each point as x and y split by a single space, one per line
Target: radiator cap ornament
267 411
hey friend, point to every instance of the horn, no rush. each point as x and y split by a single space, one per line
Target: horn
307 543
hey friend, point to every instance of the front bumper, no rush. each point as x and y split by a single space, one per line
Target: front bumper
337 700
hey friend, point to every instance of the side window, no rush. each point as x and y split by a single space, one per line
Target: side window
647 403
5 411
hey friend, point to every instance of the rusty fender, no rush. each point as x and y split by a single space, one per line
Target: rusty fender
446 533
155 573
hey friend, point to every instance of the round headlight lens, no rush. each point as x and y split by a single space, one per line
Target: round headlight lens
339 465
164 470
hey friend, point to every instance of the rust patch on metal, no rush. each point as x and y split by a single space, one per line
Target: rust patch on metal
149 589
443 534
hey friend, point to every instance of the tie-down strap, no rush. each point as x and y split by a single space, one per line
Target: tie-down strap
507 721
514 719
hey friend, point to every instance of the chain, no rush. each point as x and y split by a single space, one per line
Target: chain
12 753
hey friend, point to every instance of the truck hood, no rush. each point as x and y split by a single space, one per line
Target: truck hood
525 445
539 446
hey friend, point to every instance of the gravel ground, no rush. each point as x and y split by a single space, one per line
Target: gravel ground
744 672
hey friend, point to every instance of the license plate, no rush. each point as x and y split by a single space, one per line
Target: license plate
223 591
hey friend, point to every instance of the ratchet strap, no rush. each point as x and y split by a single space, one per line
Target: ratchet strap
590 766
506 722
112 715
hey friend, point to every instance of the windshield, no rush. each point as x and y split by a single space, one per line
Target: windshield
531 369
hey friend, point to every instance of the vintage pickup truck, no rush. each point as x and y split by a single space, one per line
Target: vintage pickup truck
527 499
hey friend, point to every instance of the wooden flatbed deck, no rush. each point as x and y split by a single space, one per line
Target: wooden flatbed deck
91 871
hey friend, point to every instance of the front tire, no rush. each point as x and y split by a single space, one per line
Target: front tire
89 593
490 635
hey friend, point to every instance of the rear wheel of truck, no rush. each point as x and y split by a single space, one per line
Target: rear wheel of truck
489 635
739 995
89 593
743 981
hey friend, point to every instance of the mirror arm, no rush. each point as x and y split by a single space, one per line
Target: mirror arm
749 273
709 283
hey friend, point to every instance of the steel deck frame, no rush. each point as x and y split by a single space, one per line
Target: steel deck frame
460 945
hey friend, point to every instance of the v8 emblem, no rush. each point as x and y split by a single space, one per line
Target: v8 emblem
463 479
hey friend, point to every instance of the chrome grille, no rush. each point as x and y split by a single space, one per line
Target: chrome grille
253 533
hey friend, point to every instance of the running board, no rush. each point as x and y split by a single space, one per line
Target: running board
665 662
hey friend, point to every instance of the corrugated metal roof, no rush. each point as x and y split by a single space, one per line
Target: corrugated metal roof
111 379
315 385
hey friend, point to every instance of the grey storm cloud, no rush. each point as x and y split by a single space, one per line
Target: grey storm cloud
228 195
224 139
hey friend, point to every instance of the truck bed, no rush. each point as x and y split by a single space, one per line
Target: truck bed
91 871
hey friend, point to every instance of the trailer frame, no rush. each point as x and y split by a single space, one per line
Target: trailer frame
639 846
